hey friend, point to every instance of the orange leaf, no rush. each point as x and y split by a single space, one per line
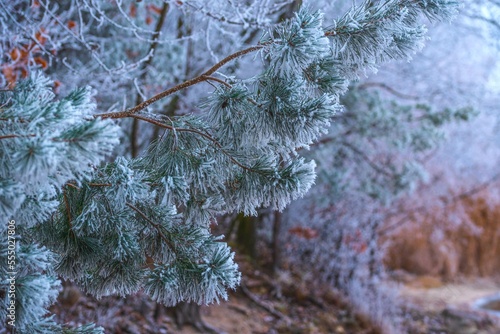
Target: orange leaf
40 36
71 24
360 248
9 74
35 4
133 10
149 20
154 9
57 84
24 72
15 54
304 232
42 62
25 52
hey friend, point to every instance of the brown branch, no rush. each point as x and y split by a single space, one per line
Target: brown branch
20 120
202 77
232 57
219 81
74 186
145 104
259 303
15 136
9 136
100 184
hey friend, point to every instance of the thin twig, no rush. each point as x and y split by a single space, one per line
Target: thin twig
155 225
213 140
15 136
74 186
366 158
230 86
100 184
219 81
259 303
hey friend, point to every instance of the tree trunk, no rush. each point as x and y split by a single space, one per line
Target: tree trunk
186 313
276 241
246 235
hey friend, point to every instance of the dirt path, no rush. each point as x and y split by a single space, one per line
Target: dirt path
449 308
438 297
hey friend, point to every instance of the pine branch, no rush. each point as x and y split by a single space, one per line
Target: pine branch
155 225
204 135
201 78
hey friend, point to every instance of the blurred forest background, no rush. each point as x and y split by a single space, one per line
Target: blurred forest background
401 232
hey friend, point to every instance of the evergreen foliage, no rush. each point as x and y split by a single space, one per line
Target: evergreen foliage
100 224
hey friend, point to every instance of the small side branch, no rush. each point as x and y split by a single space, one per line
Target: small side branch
204 135
68 210
155 225
15 136
259 303
219 81
367 159
100 184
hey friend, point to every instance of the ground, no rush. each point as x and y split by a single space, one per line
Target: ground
449 308
261 305
268 305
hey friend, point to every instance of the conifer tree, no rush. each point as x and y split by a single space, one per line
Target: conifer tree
97 222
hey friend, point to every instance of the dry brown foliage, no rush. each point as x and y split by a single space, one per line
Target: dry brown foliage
469 249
